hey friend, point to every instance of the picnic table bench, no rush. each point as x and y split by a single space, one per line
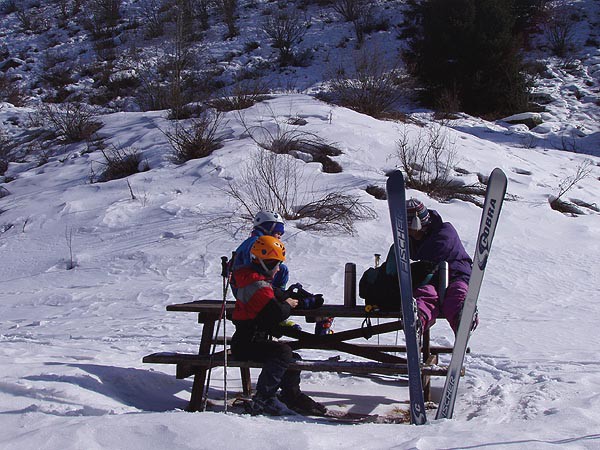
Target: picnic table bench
380 359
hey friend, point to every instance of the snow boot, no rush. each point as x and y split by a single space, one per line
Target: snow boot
270 406
303 404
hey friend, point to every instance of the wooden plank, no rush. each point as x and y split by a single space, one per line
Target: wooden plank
357 367
214 307
384 348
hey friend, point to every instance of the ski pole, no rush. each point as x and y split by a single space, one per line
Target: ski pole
226 273
377 259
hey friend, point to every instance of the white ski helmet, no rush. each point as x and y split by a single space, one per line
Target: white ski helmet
267 216
269 222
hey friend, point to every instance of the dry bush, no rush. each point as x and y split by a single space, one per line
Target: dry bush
359 13
427 160
286 138
285 29
31 19
8 6
154 20
428 163
229 11
372 87
377 191
120 163
349 9
72 122
103 19
11 91
5 149
557 203
279 182
560 28
241 96
197 139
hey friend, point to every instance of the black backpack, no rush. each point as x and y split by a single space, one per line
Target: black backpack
380 289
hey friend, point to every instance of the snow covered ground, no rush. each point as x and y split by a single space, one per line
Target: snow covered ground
72 340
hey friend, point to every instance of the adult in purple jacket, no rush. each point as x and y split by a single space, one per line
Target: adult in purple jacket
435 241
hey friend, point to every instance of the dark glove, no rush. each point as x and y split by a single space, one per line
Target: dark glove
314 302
422 272
306 300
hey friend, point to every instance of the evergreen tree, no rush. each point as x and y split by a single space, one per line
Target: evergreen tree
467 50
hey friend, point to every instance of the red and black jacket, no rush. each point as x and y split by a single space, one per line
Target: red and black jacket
256 306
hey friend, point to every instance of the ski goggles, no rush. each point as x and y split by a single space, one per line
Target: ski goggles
269 264
272 228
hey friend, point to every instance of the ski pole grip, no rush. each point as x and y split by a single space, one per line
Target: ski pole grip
350 285
224 266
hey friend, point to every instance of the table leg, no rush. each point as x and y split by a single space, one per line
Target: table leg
246 381
208 330
426 379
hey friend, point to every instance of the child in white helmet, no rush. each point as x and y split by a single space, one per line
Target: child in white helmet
266 223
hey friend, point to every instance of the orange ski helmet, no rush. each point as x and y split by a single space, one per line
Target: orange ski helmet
268 247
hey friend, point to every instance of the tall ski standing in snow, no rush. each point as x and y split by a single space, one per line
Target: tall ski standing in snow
397 206
494 197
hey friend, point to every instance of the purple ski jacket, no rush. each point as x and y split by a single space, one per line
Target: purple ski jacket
442 243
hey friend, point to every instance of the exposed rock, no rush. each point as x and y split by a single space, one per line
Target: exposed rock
11 63
531 119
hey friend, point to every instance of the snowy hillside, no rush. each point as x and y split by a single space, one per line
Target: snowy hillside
72 340
89 267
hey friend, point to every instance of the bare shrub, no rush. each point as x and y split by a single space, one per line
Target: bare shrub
241 96
285 29
104 18
373 86
32 20
72 122
152 94
69 8
229 9
559 29
447 104
154 22
120 163
286 138
11 91
58 71
377 191
9 6
556 202
358 12
428 162
5 149
197 139
280 183
349 9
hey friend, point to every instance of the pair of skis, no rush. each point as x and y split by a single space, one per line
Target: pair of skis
496 190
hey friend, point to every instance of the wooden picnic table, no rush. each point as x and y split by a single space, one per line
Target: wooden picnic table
379 357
